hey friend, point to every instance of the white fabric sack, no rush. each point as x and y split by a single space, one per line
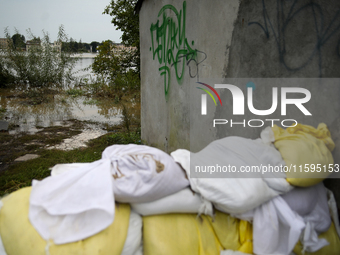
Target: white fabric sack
143 174
333 210
63 168
312 204
74 205
277 226
184 201
2 248
133 242
79 203
317 216
235 195
231 252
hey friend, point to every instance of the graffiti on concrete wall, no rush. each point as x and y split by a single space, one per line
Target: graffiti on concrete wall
324 32
170 46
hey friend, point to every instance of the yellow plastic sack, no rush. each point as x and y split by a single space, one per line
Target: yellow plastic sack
246 237
306 152
188 234
332 249
20 238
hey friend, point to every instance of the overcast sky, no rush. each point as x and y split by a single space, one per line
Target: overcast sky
82 19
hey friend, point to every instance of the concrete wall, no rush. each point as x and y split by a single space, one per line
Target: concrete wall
173 63
185 42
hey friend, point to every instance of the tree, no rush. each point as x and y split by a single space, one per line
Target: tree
18 41
112 69
94 45
126 20
106 63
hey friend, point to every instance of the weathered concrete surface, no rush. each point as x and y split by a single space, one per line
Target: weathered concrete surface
168 73
285 39
183 42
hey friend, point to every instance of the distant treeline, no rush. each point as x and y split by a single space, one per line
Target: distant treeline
74 46
71 45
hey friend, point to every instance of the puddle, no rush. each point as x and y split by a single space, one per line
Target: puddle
60 108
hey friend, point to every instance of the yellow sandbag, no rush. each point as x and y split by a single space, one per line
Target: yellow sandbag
238 236
306 151
188 234
20 238
332 249
246 237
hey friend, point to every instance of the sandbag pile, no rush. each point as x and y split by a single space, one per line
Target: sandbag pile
74 211
80 203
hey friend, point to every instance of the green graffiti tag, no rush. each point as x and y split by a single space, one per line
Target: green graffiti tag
170 45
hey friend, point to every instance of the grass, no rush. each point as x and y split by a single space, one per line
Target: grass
21 174
2 112
124 138
75 92
90 102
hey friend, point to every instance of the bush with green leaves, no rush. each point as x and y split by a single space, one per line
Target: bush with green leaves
126 19
106 63
42 64
5 77
118 73
115 75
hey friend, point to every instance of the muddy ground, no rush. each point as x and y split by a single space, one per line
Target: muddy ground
13 146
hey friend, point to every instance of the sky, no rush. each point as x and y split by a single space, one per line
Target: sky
82 19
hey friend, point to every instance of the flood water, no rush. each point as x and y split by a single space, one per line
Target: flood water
83 63
61 107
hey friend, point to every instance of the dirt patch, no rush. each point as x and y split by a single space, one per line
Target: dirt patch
13 146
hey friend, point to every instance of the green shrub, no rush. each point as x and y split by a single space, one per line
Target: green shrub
116 74
5 77
42 65
75 92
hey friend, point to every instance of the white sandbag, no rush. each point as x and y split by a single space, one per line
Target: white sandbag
184 201
235 195
79 203
276 228
317 221
63 168
312 204
2 248
279 223
133 243
143 174
333 210
231 252
74 205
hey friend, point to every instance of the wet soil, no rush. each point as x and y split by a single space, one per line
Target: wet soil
15 145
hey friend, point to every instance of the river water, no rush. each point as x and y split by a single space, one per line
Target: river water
84 62
28 118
